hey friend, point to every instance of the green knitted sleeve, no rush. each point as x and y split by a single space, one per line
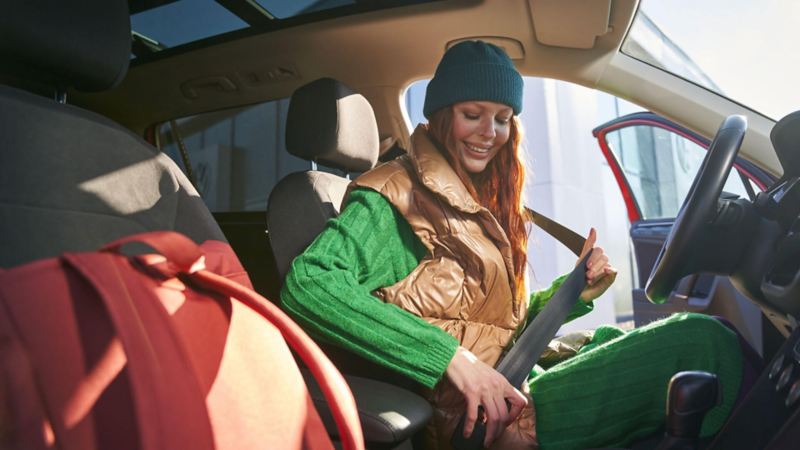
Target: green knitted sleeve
328 290
538 300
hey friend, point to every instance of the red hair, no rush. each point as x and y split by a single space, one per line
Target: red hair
498 188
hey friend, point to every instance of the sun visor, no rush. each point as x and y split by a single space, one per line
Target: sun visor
570 23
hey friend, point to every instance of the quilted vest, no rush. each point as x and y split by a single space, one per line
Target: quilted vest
464 285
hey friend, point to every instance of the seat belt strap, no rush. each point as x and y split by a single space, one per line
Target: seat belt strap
517 364
569 238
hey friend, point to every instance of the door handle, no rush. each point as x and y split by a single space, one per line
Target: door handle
694 292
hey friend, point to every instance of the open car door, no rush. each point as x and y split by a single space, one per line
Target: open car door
654 162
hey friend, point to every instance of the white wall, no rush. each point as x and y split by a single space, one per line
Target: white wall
570 181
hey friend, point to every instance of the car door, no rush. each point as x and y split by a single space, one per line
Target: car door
654 162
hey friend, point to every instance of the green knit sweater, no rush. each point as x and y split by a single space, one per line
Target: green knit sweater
370 245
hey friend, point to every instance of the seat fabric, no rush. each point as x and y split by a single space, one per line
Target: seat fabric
71 179
331 124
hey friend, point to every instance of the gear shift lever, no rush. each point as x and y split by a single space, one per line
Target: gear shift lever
690 396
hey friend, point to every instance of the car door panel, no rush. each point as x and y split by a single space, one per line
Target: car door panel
654 162
648 238
693 293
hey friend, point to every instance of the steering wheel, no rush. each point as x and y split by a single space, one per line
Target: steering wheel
683 247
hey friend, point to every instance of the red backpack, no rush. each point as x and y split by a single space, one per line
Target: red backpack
171 351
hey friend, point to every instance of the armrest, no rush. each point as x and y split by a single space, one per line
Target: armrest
389 415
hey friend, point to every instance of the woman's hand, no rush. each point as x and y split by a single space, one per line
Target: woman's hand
599 273
481 385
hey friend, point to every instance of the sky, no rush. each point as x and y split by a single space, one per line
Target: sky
748 47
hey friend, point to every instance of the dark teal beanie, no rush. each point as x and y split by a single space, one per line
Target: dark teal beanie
474 70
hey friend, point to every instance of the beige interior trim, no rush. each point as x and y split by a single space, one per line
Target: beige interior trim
512 47
387 103
588 20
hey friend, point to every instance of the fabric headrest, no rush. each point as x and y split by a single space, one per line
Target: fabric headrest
84 44
330 124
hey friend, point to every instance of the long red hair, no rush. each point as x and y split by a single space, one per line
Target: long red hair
498 188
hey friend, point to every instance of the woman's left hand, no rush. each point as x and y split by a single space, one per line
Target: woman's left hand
599 273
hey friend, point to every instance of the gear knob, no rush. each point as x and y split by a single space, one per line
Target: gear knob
690 396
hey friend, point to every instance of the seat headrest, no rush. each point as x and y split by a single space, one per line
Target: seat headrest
330 124
85 44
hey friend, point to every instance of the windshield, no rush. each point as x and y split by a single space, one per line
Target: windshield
742 49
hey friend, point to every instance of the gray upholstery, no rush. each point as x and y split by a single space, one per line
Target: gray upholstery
84 44
299 207
71 179
330 124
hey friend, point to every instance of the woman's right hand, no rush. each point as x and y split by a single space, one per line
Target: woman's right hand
481 385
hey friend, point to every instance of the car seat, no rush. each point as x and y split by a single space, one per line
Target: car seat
330 124
71 179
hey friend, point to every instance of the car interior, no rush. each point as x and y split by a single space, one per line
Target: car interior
83 100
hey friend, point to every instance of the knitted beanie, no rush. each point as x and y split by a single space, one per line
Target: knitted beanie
474 70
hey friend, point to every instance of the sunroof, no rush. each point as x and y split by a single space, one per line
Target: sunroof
161 24
283 9
185 21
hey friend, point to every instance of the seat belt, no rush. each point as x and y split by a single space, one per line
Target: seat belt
569 238
517 364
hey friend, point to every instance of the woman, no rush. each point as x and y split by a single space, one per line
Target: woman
423 272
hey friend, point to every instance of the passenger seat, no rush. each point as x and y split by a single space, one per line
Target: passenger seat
328 123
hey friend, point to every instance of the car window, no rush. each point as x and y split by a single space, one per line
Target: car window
660 166
741 49
237 155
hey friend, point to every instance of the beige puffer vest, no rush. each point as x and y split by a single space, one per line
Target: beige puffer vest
464 284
